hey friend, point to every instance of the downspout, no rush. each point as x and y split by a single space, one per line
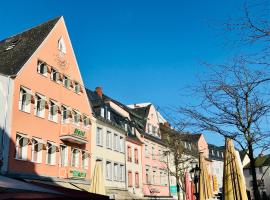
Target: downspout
169 184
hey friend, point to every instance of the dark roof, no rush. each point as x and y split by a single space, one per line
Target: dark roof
22 46
215 149
260 161
143 112
242 154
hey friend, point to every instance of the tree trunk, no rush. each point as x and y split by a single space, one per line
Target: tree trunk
256 191
178 191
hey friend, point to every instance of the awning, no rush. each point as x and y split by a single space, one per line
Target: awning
39 140
73 139
52 143
23 135
27 90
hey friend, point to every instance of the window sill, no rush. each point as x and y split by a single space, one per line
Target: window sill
44 75
50 164
36 162
41 117
99 145
53 121
24 111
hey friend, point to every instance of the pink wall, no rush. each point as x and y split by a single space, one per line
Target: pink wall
32 125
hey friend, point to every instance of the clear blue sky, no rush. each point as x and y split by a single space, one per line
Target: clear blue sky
138 51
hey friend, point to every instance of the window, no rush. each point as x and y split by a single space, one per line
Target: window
108 170
99 137
154 175
76 117
64 112
147 174
53 108
160 155
154 130
121 144
66 82
54 75
129 154
39 105
109 140
137 180
146 151
153 153
51 152
62 46
25 100
163 177
115 142
222 155
102 112
85 160
218 153
86 121
21 146
75 157
136 156
212 152
129 179
122 173
149 128
42 68
115 171
108 115
64 155
77 87
37 146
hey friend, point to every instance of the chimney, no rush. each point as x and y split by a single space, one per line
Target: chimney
167 124
99 91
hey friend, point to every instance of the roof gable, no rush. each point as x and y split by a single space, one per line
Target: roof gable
16 50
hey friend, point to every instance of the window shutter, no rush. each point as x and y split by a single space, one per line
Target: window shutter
40 153
28 98
42 104
24 148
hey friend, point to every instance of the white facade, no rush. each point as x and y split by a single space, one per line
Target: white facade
266 179
217 171
6 93
110 153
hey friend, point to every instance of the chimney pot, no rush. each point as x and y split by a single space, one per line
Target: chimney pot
99 91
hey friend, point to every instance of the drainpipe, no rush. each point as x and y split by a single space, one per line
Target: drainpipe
169 183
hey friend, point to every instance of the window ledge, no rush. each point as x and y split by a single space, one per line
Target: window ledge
28 112
41 117
53 121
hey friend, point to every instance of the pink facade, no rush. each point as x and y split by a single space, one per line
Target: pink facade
50 134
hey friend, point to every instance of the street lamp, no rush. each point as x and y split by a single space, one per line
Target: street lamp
195 176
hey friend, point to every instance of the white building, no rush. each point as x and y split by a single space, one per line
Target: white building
262 164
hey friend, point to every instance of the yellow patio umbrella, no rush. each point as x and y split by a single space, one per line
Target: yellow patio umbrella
97 183
234 187
205 189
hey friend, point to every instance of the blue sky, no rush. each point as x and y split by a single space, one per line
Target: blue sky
138 51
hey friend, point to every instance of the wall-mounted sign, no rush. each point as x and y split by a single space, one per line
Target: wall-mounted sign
77 174
79 132
173 189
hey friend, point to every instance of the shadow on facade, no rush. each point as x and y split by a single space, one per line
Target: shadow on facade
19 178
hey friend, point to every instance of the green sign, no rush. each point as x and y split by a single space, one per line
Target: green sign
79 132
173 189
78 174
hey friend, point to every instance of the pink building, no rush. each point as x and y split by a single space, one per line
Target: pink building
155 175
50 131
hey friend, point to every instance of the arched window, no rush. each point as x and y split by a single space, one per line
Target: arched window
62 46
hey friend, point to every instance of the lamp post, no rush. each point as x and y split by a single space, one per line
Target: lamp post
195 176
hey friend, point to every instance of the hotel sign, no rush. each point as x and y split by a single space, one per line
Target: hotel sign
77 174
78 132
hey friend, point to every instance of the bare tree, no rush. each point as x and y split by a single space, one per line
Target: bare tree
235 104
178 155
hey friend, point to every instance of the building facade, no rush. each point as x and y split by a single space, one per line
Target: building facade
50 132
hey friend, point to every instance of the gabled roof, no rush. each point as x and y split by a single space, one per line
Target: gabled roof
16 50
260 161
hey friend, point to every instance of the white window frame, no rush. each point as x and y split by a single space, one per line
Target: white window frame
77 87
66 81
109 139
64 161
37 142
75 163
25 99
86 121
115 171
64 114
53 108
108 167
21 148
76 117
62 46
85 160
49 146
42 101
55 75
99 136
45 69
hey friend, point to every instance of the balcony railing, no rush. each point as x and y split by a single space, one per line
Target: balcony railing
74 133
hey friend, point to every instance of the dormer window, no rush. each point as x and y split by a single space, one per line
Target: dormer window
108 115
102 112
42 68
62 46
